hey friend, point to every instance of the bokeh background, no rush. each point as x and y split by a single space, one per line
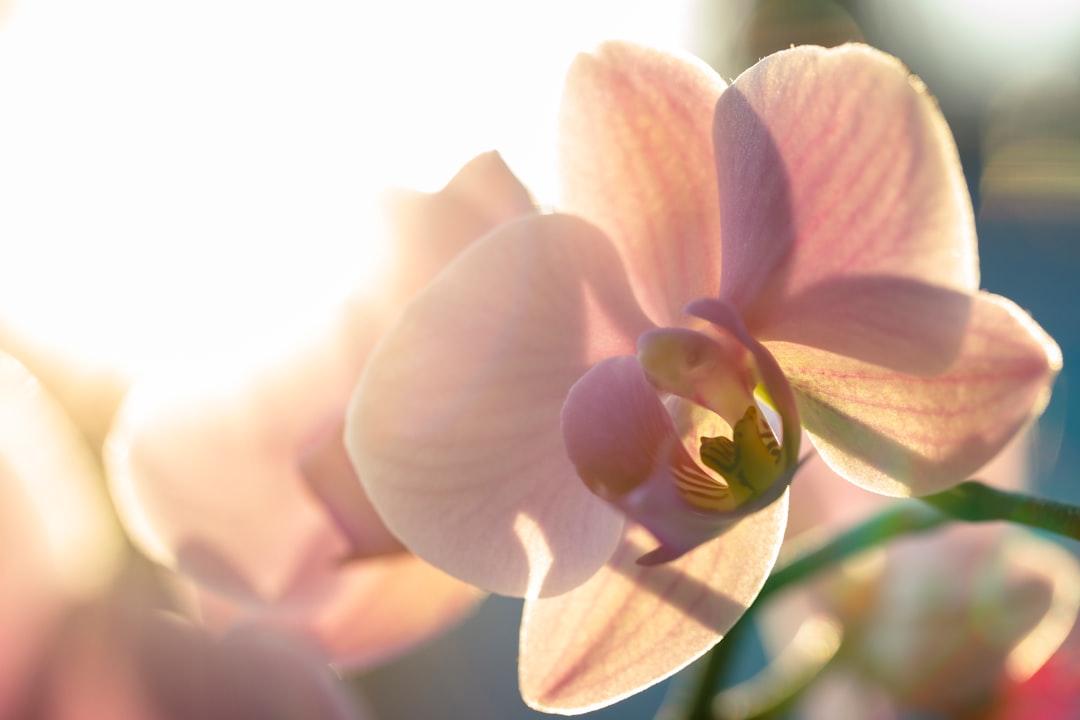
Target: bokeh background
176 176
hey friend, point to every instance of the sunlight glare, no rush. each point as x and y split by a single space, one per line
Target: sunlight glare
182 175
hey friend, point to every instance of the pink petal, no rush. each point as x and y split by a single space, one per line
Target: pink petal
836 164
60 525
430 229
1016 594
636 159
631 626
329 475
369 612
249 673
59 545
824 502
205 466
89 391
454 428
329 560
894 322
904 435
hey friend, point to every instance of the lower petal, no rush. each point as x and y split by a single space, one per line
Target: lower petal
631 626
904 435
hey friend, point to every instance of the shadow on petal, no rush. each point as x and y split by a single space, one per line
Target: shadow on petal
631 626
895 322
882 464
756 216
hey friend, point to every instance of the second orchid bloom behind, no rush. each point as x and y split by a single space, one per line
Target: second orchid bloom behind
569 412
237 477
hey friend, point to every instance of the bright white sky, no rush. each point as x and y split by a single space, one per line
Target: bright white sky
175 174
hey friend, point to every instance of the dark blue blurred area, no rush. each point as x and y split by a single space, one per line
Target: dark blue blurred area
1029 234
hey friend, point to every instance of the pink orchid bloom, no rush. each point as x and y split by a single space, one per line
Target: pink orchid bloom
937 623
533 424
238 478
80 641
120 660
57 546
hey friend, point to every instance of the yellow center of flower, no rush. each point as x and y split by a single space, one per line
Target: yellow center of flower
749 462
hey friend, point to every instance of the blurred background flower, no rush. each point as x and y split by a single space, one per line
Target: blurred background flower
90 630
931 625
175 177
232 470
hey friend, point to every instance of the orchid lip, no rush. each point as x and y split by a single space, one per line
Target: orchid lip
631 447
697 527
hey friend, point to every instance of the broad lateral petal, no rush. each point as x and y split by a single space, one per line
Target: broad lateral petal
636 159
631 626
836 163
904 435
454 428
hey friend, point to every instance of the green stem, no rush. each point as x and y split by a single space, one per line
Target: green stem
969 501
716 663
974 502
901 519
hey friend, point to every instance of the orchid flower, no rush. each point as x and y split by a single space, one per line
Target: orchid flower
936 623
84 640
57 545
570 411
121 660
238 478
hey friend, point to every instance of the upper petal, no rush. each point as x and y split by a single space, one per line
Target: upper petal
904 435
831 164
631 626
454 428
636 159
430 229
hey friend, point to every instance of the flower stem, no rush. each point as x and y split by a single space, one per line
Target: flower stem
974 502
969 501
901 519
717 662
